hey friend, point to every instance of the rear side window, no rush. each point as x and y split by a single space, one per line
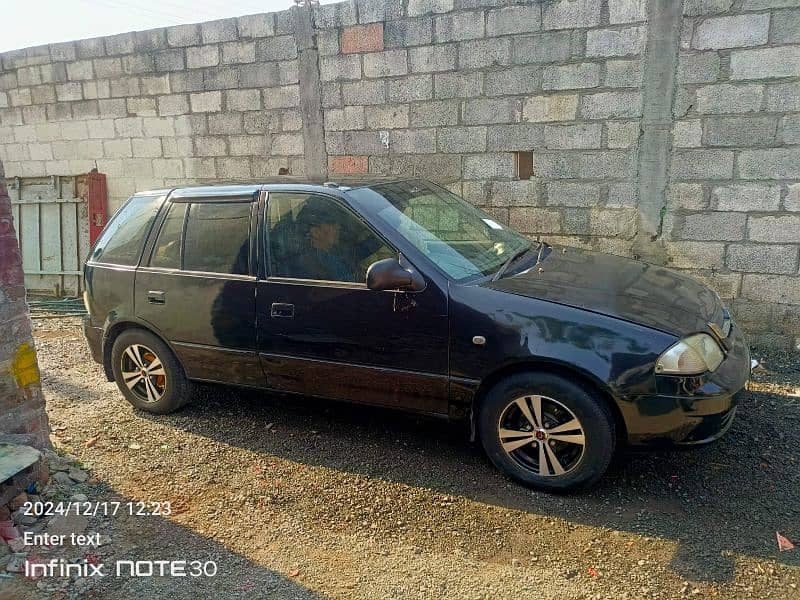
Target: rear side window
218 238
167 251
123 238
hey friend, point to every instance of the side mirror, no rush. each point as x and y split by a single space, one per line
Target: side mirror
389 274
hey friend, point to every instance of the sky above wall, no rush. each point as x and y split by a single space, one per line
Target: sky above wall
37 22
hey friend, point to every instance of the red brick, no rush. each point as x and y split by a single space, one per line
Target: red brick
348 164
362 38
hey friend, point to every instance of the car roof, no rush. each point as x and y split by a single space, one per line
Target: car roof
282 182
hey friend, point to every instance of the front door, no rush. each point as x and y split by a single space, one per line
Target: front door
322 332
197 288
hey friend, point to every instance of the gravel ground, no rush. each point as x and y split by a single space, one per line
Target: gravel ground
299 498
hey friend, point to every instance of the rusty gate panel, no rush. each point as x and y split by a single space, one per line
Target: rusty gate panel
52 224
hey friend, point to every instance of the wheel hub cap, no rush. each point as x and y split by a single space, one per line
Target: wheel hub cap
143 373
541 435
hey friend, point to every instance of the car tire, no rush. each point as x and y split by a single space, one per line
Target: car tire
165 388
565 424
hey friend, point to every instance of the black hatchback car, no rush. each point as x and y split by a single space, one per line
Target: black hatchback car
401 294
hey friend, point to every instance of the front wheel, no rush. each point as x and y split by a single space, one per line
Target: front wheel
147 372
546 431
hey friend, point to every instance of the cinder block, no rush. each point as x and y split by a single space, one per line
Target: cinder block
427 59
117 148
253 26
142 107
202 56
702 67
627 11
223 30
479 111
354 142
761 258
775 229
622 134
732 32
175 104
695 255
778 163
622 195
569 14
740 131
66 92
334 15
276 48
243 100
783 97
362 38
168 60
328 42
372 11
27 76
413 141
782 289
611 105
224 123
259 75
349 117
158 127
517 136
722 226
417 8
434 114
183 35
782 61
573 194
789 129
727 98
513 19
247 145
746 197
687 134
702 164
792 200
287 144
580 136
287 96
786 27
388 116
147 147
210 146
206 102
694 8
364 92
409 89
385 64
461 139
514 81
233 167
535 220
567 77
484 53
458 85
408 32
550 108
150 40
459 26
487 166
52 73
96 89
91 48
186 81
238 52
616 42
340 68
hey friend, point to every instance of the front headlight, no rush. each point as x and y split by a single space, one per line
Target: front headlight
693 355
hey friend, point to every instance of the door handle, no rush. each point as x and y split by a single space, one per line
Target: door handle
281 310
156 297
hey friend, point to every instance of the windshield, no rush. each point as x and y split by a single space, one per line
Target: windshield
460 239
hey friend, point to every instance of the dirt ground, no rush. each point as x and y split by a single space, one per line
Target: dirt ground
299 498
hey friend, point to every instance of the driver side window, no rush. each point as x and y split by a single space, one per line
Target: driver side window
313 237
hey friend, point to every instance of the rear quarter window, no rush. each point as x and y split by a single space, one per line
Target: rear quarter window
123 238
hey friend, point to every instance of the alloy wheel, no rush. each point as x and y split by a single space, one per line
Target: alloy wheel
143 373
541 435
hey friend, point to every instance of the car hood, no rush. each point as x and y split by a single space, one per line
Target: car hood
618 287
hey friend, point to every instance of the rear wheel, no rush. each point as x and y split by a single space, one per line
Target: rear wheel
147 372
546 431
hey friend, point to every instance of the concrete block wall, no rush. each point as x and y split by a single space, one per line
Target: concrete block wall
661 129
733 199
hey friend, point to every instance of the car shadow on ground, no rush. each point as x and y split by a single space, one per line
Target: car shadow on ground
716 501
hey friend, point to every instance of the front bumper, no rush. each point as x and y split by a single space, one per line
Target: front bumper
691 410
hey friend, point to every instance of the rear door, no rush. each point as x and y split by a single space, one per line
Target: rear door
197 286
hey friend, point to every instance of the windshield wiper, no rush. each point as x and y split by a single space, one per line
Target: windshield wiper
506 264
